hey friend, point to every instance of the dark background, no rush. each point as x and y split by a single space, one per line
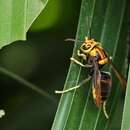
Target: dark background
43 60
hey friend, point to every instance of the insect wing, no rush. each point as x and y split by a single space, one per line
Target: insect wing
118 74
96 86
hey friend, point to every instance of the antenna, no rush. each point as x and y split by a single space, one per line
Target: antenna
89 22
73 40
89 32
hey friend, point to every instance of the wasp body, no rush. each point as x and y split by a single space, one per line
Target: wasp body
95 57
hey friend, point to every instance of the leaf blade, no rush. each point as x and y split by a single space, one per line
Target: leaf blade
83 114
126 112
17 18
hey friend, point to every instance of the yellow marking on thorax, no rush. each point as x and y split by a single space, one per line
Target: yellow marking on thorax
104 61
93 52
100 51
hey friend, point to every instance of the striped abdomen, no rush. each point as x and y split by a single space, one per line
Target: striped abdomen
101 91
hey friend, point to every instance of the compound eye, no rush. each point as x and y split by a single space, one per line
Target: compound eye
86 47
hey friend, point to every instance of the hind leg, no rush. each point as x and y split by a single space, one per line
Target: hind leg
73 88
104 110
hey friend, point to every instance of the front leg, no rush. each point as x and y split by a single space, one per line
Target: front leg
79 63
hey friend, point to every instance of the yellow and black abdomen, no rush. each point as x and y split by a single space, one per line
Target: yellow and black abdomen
101 91
105 85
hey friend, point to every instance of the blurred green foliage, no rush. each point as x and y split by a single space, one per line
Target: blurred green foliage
43 60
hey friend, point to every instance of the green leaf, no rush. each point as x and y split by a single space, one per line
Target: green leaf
76 110
126 113
46 16
16 16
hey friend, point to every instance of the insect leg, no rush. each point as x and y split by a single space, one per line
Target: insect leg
104 110
79 63
73 40
78 86
70 39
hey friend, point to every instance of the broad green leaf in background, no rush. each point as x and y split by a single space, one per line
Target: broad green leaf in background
76 110
16 16
46 19
126 113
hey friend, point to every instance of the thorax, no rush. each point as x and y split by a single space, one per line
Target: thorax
99 53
